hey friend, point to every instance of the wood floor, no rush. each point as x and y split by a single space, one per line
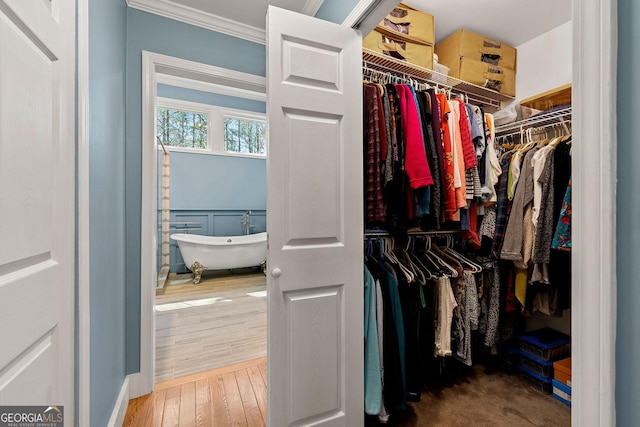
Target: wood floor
234 395
210 325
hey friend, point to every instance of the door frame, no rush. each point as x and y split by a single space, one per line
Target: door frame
593 313
83 331
158 68
594 292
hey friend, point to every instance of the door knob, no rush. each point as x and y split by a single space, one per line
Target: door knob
276 272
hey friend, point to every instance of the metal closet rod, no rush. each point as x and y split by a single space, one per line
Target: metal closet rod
560 123
540 121
394 76
383 233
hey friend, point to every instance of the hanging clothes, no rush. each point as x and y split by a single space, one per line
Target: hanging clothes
372 378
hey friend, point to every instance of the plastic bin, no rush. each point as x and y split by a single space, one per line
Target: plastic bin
543 385
543 368
561 392
546 344
443 71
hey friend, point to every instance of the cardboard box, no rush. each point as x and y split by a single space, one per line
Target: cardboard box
480 73
468 45
399 48
562 371
406 21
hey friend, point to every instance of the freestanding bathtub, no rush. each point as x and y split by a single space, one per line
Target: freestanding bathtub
221 252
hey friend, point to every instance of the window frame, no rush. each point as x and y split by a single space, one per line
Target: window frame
215 126
232 113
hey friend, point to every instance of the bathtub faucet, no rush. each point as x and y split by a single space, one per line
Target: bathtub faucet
245 221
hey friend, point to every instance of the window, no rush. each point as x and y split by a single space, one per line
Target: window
180 128
242 135
190 126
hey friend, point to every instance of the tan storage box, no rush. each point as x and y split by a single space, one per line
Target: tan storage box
480 73
468 45
400 48
404 20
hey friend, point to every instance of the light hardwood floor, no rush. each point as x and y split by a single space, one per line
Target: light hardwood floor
219 323
234 395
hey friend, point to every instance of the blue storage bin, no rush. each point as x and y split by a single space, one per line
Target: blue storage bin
540 383
546 344
544 368
561 392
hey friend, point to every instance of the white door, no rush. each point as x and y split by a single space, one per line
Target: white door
314 205
37 213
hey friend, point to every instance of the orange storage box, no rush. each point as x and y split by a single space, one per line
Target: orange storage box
562 371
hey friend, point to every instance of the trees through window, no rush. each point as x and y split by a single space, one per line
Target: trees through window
185 129
212 129
244 135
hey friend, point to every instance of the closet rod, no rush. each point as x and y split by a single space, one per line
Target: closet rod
552 118
397 68
535 129
381 233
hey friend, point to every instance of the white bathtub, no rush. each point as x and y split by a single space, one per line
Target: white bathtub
222 252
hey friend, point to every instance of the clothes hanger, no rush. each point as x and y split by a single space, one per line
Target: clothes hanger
437 253
475 268
413 266
391 257
450 271
428 264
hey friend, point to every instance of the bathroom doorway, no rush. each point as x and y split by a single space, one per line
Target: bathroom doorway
210 303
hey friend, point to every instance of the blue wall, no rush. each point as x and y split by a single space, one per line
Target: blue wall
107 65
207 181
628 206
152 33
336 10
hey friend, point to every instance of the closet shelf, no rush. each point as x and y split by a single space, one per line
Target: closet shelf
477 94
542 120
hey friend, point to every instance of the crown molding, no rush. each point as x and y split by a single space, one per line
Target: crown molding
311 7
189 15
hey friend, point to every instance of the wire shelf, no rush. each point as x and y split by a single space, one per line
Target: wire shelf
542 120
477 94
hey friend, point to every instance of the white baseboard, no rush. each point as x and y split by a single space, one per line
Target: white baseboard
120 408
140 385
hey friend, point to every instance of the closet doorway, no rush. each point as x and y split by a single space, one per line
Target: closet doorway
211 182
593 263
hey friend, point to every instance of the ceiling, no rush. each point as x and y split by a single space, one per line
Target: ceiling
513 22
250 12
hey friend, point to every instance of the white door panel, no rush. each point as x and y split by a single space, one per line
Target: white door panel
37 212
314 200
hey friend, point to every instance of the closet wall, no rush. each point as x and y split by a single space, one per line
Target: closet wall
544 62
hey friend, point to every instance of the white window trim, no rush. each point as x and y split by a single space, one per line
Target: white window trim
246 115
215 121
187 106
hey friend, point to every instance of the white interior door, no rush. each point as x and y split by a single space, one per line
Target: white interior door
37 212
314 205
